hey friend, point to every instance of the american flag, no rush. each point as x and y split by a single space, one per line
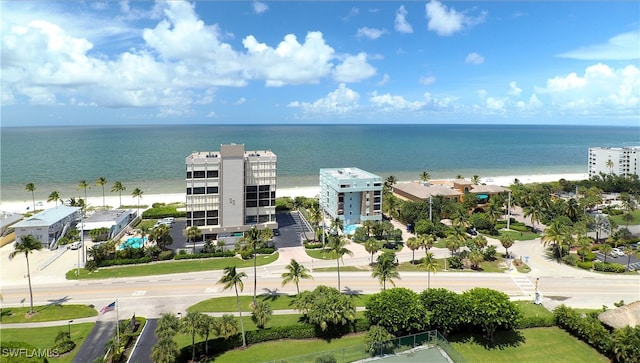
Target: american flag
108 308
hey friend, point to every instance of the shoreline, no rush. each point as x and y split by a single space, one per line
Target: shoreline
25 205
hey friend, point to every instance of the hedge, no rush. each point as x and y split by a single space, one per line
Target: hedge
163 212
124 261
205 255
535 322
312 246
587 328
609 267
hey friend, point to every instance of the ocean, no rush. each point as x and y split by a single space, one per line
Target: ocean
152 157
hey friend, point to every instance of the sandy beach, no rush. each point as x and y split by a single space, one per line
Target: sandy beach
112 200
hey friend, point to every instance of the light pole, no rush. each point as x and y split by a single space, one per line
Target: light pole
69 330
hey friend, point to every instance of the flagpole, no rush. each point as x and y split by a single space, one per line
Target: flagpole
117 326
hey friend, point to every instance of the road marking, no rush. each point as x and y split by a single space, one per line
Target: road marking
139 293
523 283
210 290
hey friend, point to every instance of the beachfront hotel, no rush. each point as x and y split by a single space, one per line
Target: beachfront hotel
351 194
230 191
621 161
49 225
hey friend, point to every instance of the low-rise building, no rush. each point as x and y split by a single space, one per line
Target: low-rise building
115 220
614 160
351 194
455 189
49 225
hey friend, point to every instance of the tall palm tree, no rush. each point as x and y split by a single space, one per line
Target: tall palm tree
337 247
233 278
372 246
554 235
295 272
30 187
260 313
82 184
253 238
475 179
386 269
413 243
27 245
54 197
165 351
119 188
430 264
427 242
506 241
137 193
606 250
425 176
102 181
389 182
191 325
609 165
193 233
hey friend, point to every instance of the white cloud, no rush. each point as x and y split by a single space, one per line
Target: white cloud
385 79
474 58
401 24
370 33
354 69
620 47
341 100
514 90
427 80
259 7
212 114
445 21
387 102
241 101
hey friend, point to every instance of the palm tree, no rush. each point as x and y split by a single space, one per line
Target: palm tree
430 264
425 176
475 180
118 187
84 185
555 234
606 250
389 182
506 241
54 197
413 243
629 252
609 165
227 326
27 245
337 225
192 324
385 269
137 193
295 272
427 242
233 278
165 351
30 187
253 238
372 246
102 181
627 218
480 242
476 257
260 313
337 247
584 242
193 233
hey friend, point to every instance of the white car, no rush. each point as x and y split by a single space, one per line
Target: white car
617 252
74 246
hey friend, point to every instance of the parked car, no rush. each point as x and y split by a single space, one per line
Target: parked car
74 246
635 245
472 231
617 252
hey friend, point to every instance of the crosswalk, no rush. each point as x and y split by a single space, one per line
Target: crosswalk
524 284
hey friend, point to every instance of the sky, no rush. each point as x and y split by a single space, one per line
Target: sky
304 62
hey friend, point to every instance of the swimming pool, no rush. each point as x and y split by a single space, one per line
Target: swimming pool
351 228
132 242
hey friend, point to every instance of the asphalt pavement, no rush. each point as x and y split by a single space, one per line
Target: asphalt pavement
93 346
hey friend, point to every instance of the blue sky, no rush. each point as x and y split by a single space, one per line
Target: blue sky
235 62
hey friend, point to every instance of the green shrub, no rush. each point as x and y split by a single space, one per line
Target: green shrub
570 259
166 255
535 322
586 328
590 256
125 261
300 331
455 263
609 267
587 265
312 245
163 212
326 358
205 255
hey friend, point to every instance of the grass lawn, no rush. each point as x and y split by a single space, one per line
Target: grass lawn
319 253
343 269
170 267
43 338
531 309
618 219
277 302
527 345
519 236
51 312
486 266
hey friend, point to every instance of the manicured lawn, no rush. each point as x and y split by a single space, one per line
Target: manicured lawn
170 267
343 269
531 309
51 312
486 266
278 302
43 338
618 219
319 253
520 236
527 345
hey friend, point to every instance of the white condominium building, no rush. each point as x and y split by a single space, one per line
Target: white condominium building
230 191
351 194
614 160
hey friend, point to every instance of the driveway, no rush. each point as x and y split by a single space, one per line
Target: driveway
93 346
142 350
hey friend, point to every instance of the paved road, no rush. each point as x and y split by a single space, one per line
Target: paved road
144 346
93 346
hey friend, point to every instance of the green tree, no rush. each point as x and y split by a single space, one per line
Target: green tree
606 250
626 344
54 197
554 236
337 248
162 236
118 187
233 278
30 187
414 243
627 218
326 307
506 241
295 272
398 310
476 257
425 176
385 269
475 179
480 242
389 182
609 165
165 351
137 193
102 181
253 238
630 252
82 184
446 309
261 313
490 309
584 244
192 324
27 244
378 340
372 246
193 233
430 264
227 326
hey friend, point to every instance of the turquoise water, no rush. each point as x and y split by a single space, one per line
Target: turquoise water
350 228
132 242
152 157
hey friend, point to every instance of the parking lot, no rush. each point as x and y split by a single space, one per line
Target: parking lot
632 261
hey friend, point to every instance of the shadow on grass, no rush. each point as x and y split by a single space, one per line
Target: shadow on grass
501 339
271 295
353 293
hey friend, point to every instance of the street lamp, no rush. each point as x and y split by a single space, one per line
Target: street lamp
69 325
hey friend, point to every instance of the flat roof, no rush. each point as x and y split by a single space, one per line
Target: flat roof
48 217
7 219
106 215
346 173
422 191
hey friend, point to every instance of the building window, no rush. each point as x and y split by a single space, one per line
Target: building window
251 203
264 188
199 190
189 175
198 174
188 191
212 213
250 219
212 221
252 196
251 188
198 214
265 203
212 190
212 174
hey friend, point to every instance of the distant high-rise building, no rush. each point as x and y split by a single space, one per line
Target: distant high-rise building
230 191
614 160
351 194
